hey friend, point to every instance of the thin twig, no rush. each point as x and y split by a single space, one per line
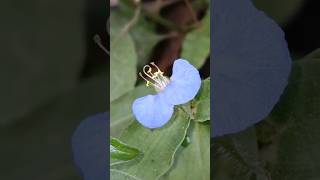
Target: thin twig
154 16
193 14
130 24
167 3
97 40
162 21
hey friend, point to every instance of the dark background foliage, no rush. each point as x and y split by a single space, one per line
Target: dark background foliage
302 31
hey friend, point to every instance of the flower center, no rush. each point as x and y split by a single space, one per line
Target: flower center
156 79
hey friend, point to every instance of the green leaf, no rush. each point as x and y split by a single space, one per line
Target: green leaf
193 161
202 102
196 46
237 157
158 146
298 139
123 59
143 32
122 151
120 175
145 37
120 109
42 53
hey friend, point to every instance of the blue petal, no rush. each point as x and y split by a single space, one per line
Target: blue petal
152 111
90 147
184 83
250 68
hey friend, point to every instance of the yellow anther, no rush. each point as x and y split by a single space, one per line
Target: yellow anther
156 79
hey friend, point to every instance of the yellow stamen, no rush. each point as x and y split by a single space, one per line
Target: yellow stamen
156 79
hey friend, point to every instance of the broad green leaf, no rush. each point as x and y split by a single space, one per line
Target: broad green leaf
120 175
238 157
145 37
193 161
123 58
39 147
202 102
158 146
298 142
42 53
121 151
196 46
143 32
120 109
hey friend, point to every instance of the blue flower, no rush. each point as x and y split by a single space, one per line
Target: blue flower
250 65
90 147
154 111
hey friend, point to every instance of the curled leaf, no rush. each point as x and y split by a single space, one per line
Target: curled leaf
122 151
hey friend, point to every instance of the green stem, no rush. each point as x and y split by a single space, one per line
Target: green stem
187 109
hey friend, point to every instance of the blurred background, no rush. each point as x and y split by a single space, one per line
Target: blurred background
297 18
53 74
286 144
